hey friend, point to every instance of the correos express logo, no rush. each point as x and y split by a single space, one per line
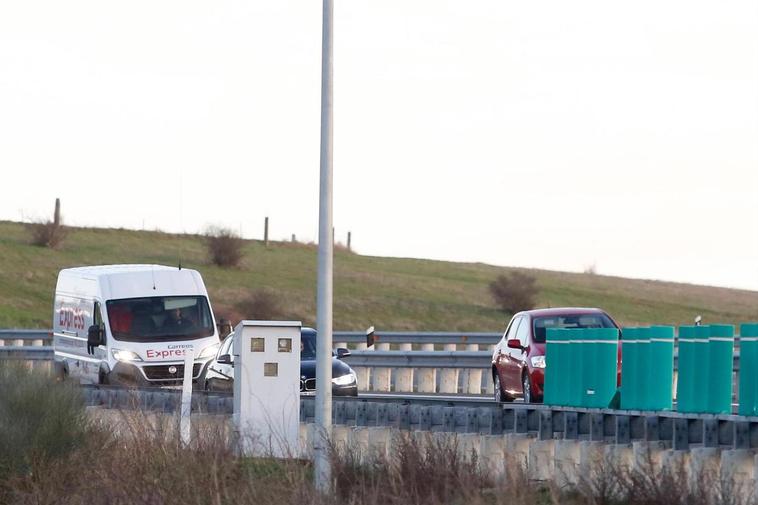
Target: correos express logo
173 351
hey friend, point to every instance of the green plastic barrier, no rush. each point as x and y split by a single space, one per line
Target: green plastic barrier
685 382
605 367
589 368
564 381
577 359
748 370
701 366
720 369
553 366
661 368
643 369
629 378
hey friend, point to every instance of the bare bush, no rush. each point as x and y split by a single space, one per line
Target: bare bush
609 481
224 246
47 234
515 292
263 304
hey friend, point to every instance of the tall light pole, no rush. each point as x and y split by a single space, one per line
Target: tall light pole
323 470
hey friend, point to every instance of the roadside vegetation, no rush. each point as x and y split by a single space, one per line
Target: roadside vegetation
515 292
52 451
388 293
224 247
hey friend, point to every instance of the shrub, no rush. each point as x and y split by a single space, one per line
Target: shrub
515 292
224 246
145 463
40 420
47 234
262 304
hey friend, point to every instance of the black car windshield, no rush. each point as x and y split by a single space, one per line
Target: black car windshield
160 318
598 320
307 346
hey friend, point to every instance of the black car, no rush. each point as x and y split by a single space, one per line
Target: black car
219 375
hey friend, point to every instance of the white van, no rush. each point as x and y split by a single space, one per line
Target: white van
131 324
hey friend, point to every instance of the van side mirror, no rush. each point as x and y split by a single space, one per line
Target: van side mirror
225 359
95 337
342 353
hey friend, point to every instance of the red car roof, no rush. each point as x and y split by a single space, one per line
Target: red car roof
557 311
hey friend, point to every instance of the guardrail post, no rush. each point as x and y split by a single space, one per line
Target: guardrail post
361 372
404 376
521 425
427 377
597 427
449 376
382 376
570 425
545 431
474 385
681 434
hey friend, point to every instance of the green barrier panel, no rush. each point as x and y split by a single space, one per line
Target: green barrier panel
700 367
720 369
629 379
553 366
589 368
564 379
685 382
605 368
643 369
576 362
748 370
661 376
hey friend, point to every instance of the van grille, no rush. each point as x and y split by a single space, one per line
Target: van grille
161 372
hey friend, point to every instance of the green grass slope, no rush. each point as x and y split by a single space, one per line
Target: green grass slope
389 293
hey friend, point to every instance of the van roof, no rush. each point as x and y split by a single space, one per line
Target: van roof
99 270
112 282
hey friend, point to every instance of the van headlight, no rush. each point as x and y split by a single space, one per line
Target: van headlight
209 351
123 355
344 380
538 361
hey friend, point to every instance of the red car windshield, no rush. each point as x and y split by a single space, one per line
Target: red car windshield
597 320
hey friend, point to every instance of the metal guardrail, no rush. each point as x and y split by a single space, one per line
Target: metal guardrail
419 337
26 335
26 353
672 429
420 359
368 359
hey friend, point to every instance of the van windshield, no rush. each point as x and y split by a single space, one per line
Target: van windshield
569 321
160 318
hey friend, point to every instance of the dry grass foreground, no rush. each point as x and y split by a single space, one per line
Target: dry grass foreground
388 293
51 452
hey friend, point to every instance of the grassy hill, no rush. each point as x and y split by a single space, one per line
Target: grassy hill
389 293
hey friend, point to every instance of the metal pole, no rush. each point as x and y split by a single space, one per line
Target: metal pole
323 471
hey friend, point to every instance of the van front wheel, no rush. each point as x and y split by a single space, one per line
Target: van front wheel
102 378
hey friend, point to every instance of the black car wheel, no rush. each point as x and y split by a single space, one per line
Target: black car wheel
527 385
500 395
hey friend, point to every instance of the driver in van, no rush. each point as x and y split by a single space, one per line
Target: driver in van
177 319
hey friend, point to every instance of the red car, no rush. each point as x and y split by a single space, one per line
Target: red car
518 362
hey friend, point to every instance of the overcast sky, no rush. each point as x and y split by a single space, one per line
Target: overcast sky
545 134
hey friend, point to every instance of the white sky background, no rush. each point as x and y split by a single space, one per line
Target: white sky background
545 134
